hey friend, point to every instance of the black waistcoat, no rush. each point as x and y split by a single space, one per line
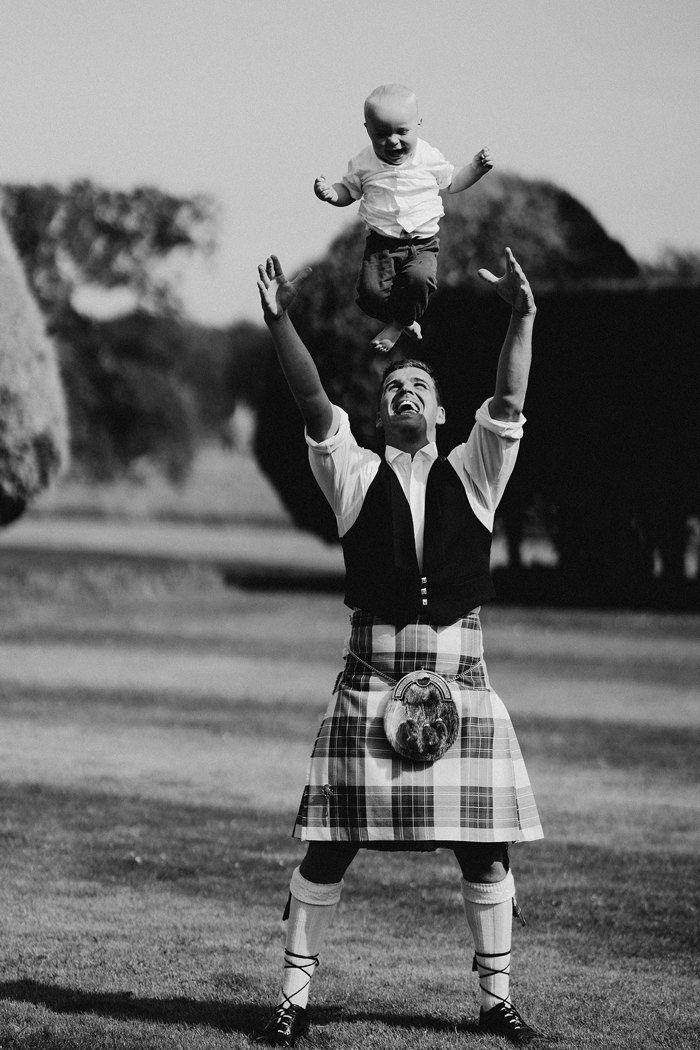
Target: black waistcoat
382 575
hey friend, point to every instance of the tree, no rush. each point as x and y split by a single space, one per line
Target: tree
675 267
135 385
86 235
556 238
127 396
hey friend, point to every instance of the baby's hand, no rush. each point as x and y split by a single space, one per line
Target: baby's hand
324 190
483 161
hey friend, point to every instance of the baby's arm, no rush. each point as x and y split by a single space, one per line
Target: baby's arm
472 172
335 193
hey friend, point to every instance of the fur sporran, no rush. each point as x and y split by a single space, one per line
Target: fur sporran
421 720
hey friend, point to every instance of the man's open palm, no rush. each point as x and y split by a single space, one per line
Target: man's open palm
513 286
277 293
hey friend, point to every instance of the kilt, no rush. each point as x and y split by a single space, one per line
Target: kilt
358 789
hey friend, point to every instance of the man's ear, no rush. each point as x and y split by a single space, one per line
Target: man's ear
378 421
440 417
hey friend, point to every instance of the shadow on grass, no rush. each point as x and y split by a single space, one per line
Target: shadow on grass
126 1006
246 1018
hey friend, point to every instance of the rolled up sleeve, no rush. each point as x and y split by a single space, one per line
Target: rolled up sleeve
486 460
343 470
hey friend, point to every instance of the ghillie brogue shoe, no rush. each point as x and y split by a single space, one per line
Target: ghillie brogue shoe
287 1024
504 1020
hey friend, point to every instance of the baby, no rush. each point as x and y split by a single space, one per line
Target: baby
398 178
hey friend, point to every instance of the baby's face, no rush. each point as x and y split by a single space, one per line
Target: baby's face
392 125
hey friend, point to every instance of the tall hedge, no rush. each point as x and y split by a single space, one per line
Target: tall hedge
609 462
33 426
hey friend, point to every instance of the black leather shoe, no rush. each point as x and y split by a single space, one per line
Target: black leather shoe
505 1020
285 1026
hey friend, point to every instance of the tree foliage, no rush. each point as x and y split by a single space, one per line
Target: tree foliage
674 267
147 384
556 238
146 387
143 386
85 235
126 402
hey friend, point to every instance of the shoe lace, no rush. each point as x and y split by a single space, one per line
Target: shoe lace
510 1014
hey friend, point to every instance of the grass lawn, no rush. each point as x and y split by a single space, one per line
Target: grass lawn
225 485
154 731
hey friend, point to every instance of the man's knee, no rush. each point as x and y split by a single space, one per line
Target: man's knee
327 862
483 862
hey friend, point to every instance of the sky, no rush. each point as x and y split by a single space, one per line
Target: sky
249 100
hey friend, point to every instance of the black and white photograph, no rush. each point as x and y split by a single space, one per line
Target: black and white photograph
349 525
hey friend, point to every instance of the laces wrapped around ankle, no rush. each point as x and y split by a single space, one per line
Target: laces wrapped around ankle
490 971
307 967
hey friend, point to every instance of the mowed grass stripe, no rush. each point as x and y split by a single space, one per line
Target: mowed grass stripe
141 667
659 751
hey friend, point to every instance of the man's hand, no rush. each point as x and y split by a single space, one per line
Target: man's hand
513 286
483 161
277 293
324 190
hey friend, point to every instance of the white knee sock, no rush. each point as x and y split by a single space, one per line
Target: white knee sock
311 912
489 910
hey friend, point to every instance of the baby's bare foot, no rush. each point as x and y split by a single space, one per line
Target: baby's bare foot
384 341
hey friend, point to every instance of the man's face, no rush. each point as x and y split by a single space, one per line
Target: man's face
392 125
408 407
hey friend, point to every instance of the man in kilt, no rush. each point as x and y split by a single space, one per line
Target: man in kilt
416 532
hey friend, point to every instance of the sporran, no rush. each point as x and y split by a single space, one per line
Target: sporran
421 720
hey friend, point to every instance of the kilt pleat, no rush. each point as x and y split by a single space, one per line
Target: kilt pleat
359 789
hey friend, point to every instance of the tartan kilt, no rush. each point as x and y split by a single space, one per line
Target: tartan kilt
360 790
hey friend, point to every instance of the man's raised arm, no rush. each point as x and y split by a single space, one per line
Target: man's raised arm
276 296
516 352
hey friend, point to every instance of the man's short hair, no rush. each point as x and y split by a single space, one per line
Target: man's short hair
409 362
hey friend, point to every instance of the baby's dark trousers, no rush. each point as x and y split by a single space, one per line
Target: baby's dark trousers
397 277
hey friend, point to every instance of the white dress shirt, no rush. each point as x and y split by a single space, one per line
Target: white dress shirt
400 199
484 462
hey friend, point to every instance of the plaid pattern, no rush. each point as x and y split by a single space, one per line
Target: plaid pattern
360 790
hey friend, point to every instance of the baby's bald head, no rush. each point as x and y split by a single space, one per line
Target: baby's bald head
389 94
392 122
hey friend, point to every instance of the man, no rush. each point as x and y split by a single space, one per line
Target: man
416 532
